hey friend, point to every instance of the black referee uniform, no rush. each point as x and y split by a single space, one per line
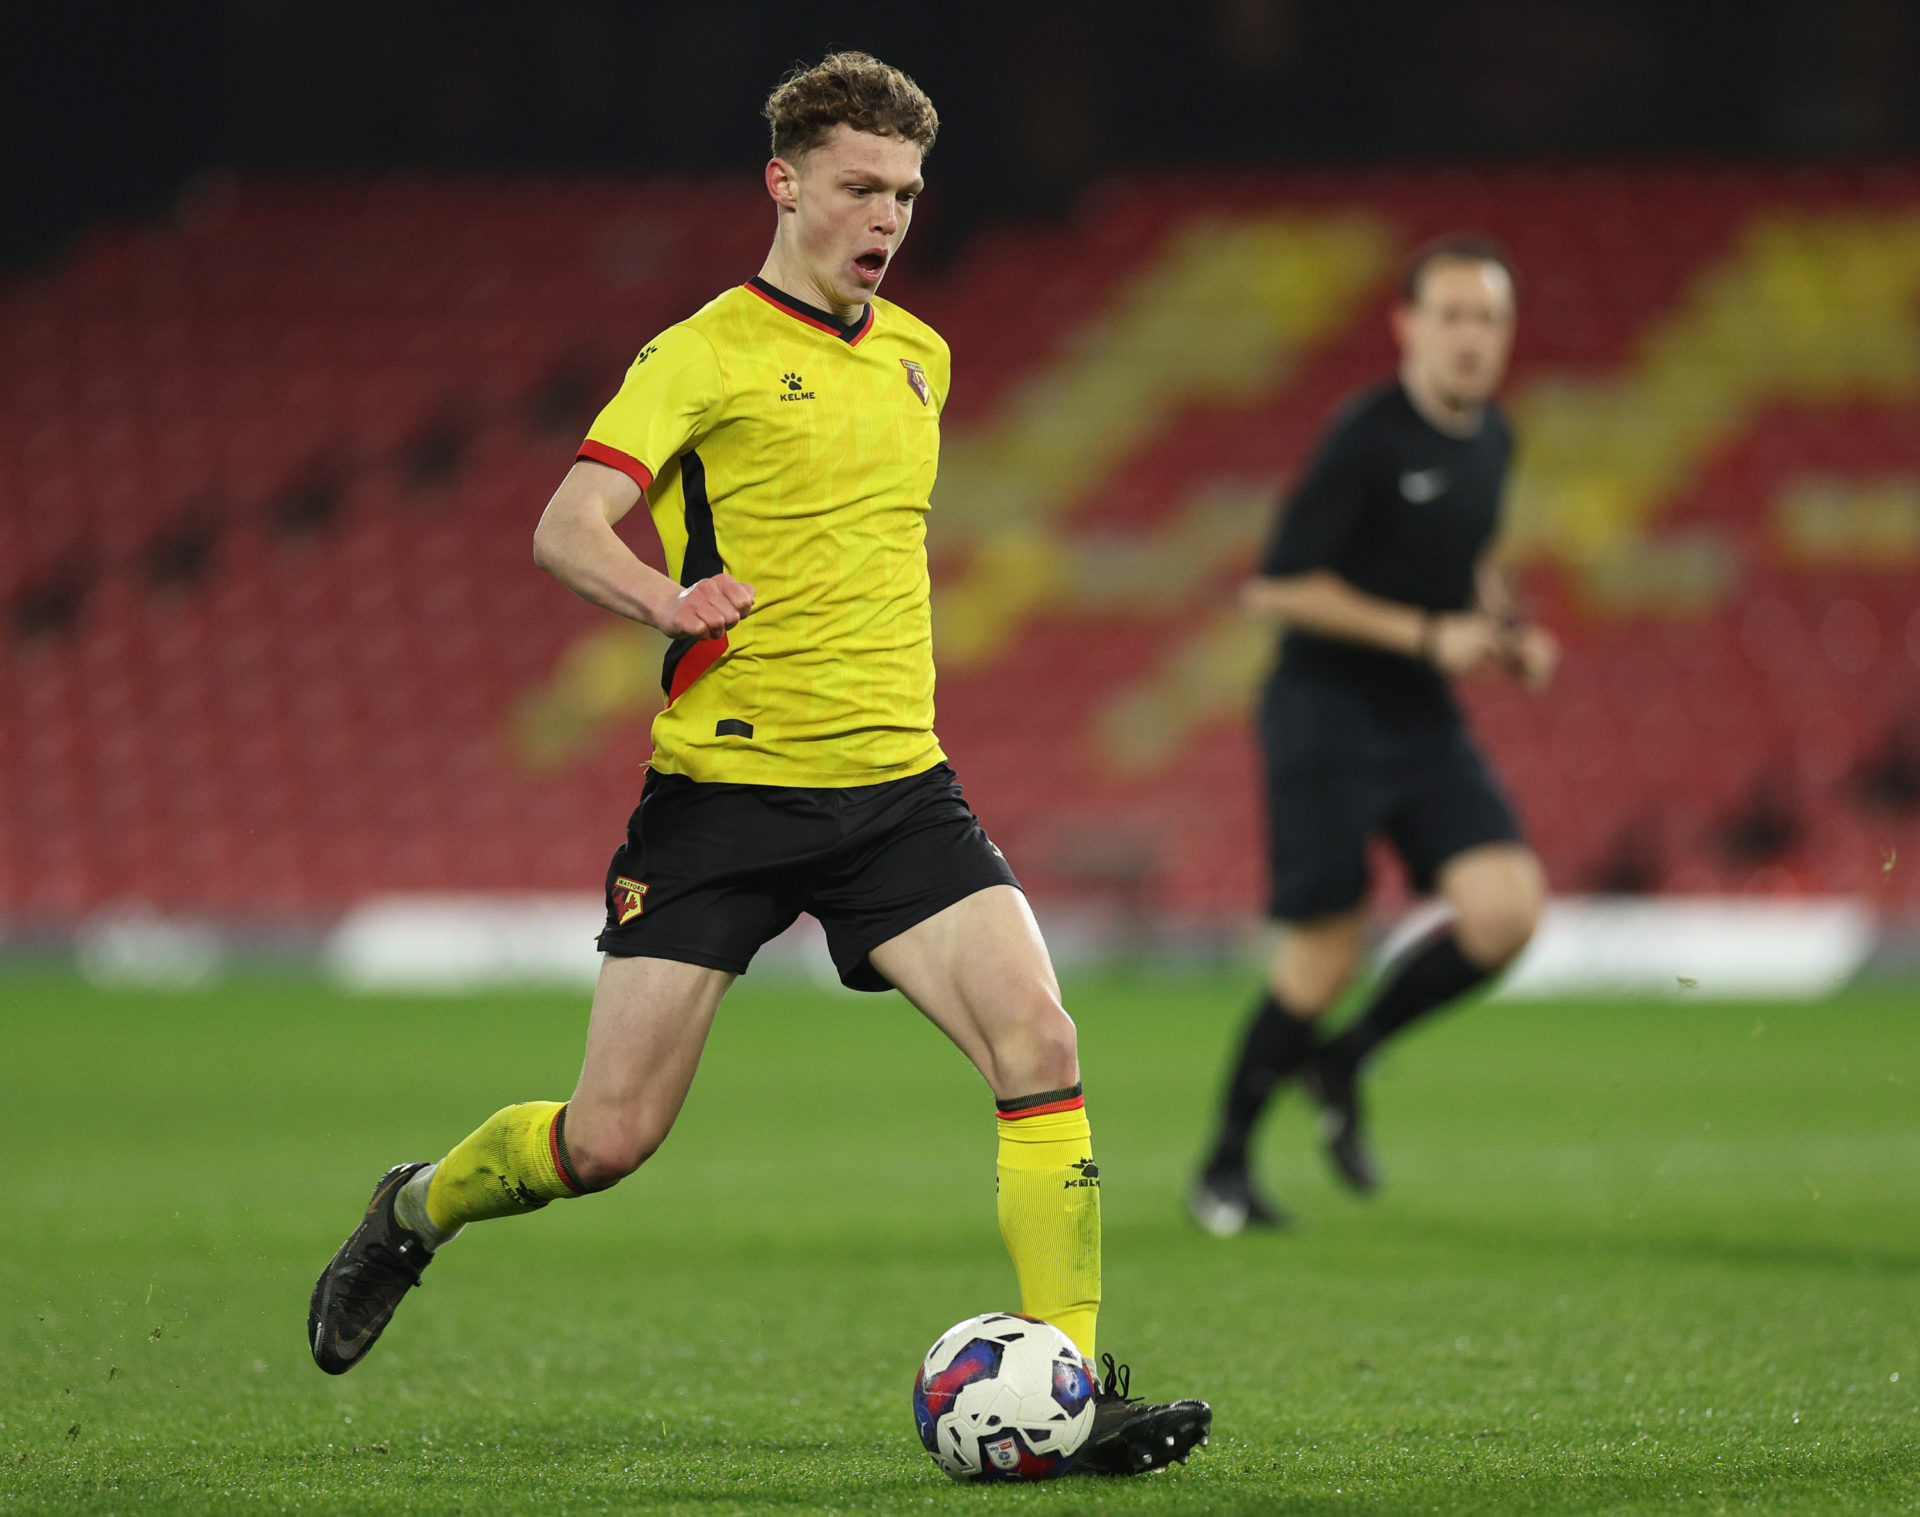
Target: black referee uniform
1358 740
1361 742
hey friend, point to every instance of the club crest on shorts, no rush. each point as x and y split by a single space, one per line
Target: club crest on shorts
629 896
917 377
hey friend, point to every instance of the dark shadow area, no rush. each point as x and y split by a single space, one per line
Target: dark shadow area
109 110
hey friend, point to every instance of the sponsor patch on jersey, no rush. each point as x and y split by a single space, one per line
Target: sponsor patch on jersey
629 896
917 377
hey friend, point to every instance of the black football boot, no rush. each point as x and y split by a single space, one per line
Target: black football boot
357 1292
1130 1437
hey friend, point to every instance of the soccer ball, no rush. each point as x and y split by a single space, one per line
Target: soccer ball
1003 1397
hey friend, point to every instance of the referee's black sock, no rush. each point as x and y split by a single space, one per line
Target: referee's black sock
1276 1045
1434 974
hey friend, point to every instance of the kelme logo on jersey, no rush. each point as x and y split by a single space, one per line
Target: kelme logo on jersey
796 388
917 377
629 896
645 353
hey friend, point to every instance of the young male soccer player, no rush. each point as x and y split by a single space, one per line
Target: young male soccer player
1378 571
785 439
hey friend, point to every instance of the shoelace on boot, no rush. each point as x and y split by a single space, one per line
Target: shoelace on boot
373 1276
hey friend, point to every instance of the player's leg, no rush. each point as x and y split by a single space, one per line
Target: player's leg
650 1021
676 934
649 1024
1322 803
979 970
1460 838
1495 893
1313 963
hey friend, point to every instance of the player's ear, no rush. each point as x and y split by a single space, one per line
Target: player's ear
782 183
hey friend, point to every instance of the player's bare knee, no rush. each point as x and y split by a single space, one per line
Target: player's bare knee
1309 992
598 1168
1309 975
607 1155
1040 1052
1492 931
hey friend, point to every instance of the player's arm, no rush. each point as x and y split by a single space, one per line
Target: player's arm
1321 602
1494 594
576 544
1297 584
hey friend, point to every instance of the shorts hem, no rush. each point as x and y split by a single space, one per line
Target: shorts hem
1423 875
618 948
1290 912
860 974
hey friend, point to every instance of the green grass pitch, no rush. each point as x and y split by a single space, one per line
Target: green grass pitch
1630 1258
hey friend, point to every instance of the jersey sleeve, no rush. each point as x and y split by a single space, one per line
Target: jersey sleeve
666 403
1323 511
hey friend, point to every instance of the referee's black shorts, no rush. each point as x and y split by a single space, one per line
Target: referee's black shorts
709 872
1343 764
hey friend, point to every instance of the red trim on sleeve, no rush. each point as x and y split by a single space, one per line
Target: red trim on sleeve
696 661
613 458
1072 1103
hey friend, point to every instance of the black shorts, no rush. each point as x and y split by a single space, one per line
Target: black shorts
1343 765
709 872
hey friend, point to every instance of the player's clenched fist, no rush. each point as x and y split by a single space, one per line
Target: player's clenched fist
707 607
1531 654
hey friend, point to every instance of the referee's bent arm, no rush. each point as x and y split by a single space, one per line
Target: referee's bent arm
1323 603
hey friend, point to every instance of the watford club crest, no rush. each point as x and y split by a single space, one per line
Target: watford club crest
917 377
629 896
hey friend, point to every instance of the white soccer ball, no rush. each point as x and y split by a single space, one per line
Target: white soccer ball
1003 1397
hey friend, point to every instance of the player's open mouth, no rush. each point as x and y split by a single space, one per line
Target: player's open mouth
871 266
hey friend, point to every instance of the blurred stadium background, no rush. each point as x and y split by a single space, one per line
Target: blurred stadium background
306 308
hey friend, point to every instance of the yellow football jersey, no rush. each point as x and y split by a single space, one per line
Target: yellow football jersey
796 455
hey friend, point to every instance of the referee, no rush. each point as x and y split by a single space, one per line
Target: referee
1378 572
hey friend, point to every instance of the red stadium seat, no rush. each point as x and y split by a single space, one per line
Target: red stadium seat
318 705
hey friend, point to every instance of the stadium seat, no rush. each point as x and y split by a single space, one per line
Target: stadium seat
267 481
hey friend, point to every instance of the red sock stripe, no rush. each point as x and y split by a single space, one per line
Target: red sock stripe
1072 1103
559 1160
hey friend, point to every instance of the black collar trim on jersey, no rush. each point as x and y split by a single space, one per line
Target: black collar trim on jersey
813 316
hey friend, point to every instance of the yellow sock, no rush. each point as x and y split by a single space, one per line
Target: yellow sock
1050 1210
513 1162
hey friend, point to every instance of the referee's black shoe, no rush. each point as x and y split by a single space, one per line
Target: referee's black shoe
1130 1437
1333 1085
355 1296
1227 1202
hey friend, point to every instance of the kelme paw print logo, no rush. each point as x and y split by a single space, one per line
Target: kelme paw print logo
793 381
796 387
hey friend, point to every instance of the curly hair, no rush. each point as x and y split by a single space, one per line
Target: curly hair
856 88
